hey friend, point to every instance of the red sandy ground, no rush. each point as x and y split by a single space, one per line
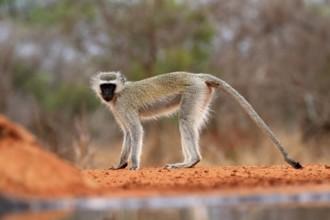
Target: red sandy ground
26 170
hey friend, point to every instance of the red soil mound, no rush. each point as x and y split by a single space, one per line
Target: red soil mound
28 170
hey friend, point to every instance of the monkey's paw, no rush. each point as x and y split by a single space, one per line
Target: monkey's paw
174 166
120 166
134 168
188 164
169 166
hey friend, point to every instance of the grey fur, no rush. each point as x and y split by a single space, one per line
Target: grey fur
186 93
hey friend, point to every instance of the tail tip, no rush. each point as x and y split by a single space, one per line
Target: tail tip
294 164
297 165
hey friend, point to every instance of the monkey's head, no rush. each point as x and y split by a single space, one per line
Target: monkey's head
107 84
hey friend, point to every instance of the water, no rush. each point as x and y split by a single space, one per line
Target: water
309 205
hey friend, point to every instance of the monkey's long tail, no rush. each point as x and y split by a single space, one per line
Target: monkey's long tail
218 83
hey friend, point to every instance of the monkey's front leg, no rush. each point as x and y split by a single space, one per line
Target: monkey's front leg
126 148
136 145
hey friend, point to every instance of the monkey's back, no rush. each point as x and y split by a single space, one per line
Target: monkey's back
159 87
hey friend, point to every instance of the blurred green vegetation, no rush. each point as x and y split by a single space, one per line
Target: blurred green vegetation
53 97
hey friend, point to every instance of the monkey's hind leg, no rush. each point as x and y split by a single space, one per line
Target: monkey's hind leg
190 114
189 139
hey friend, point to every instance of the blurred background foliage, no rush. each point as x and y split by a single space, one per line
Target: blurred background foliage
275 53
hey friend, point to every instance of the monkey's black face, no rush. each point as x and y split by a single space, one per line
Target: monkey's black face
108 91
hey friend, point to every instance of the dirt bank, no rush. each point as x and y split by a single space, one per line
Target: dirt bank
28 170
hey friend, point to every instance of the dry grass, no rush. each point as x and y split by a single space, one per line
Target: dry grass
267 153
263 153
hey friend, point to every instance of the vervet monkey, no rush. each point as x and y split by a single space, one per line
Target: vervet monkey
186 93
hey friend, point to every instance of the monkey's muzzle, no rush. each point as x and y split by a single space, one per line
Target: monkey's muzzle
107 91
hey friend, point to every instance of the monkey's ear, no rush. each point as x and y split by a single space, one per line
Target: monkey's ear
122 78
